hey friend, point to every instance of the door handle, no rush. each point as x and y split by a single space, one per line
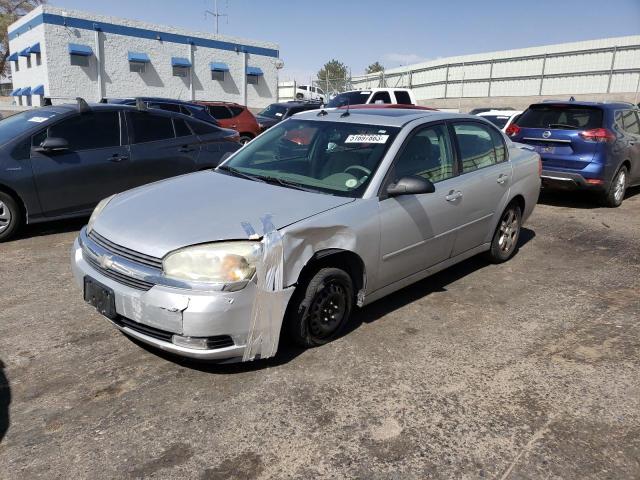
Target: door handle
118 158
502 178
453 196
185 149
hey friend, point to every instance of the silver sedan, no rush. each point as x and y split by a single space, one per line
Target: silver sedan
325 212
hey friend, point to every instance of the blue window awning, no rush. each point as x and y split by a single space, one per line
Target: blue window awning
26 52
180 62
13 57
82 50
39 90
15 92
26 91
254 71
35 48
138 57
219 67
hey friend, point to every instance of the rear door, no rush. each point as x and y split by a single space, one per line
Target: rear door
96 165
483 184
554 131
156 151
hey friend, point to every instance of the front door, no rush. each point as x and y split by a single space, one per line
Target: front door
95 165
484 182
418 231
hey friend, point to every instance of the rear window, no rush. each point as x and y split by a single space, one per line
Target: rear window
202 128
498 120
219 112
562 117
403 98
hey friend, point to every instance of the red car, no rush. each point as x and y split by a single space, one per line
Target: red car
234 116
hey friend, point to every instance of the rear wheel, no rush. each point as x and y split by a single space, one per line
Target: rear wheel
321 308
244 138
299 96
505 239
615 195
10 216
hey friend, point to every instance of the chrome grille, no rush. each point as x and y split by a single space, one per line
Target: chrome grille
123 252
120 277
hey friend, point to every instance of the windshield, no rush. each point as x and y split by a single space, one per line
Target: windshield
498 120
15 125
563 117
331 157
274 111
349 98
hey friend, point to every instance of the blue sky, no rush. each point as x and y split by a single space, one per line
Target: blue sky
359 32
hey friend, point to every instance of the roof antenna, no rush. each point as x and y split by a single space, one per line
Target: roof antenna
322 111
83 106
572 99
346 114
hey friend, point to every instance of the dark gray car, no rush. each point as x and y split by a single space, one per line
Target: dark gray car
60 161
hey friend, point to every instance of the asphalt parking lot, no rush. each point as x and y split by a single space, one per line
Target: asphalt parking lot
523 370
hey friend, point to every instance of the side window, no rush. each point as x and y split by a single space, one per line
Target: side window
219 112
381 97
427 154
498 145
184 110
476 146
38 138
302 87
320 91
403 98
630 122
89 130
182 130
148 127
169 107
236 110
202 128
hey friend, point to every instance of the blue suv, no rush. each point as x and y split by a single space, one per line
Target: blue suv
586 145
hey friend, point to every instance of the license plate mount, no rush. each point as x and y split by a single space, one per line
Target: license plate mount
101 297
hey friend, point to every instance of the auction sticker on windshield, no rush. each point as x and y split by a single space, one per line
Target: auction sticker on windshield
367 139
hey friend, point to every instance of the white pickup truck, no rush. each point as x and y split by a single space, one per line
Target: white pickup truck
309 92
402 96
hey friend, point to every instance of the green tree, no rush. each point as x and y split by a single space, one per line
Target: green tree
375 68
333 76
10 11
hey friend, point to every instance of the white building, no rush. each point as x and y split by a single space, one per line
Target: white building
604 68
65 53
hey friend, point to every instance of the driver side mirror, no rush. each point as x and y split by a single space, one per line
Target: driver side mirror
411 185
53 144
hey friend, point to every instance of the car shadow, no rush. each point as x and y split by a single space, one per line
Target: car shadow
369 314
5 400
50 228
577 198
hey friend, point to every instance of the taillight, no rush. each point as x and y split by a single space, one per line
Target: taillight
598 135
512 130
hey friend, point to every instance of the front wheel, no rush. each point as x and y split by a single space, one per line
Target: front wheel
321 308
615 195
505 239
10 216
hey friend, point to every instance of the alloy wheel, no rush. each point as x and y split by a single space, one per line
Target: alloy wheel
509 227
620 186
5 217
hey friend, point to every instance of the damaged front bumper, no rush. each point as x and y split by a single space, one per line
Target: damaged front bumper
207 325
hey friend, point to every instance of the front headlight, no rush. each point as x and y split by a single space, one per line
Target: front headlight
96 212
221 262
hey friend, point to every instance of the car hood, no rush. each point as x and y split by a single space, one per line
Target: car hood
203 207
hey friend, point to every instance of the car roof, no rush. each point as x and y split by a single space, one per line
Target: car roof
388 117
499 112
607 105
218 102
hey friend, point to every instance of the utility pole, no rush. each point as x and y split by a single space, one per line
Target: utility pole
216 15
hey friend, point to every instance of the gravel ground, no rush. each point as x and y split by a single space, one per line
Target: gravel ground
523 370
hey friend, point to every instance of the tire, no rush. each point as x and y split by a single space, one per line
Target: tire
299 96
10 216
321 308
614 196
245 139
504 243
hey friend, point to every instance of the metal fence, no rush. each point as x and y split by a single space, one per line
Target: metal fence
595 70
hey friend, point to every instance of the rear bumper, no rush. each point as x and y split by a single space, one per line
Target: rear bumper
568 180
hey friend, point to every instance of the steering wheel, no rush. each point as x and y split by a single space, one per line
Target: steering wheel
359 168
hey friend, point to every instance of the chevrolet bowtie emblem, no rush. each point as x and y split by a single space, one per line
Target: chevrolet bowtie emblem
105 261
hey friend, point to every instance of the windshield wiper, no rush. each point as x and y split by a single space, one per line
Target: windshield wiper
239 173
287 183
563 125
